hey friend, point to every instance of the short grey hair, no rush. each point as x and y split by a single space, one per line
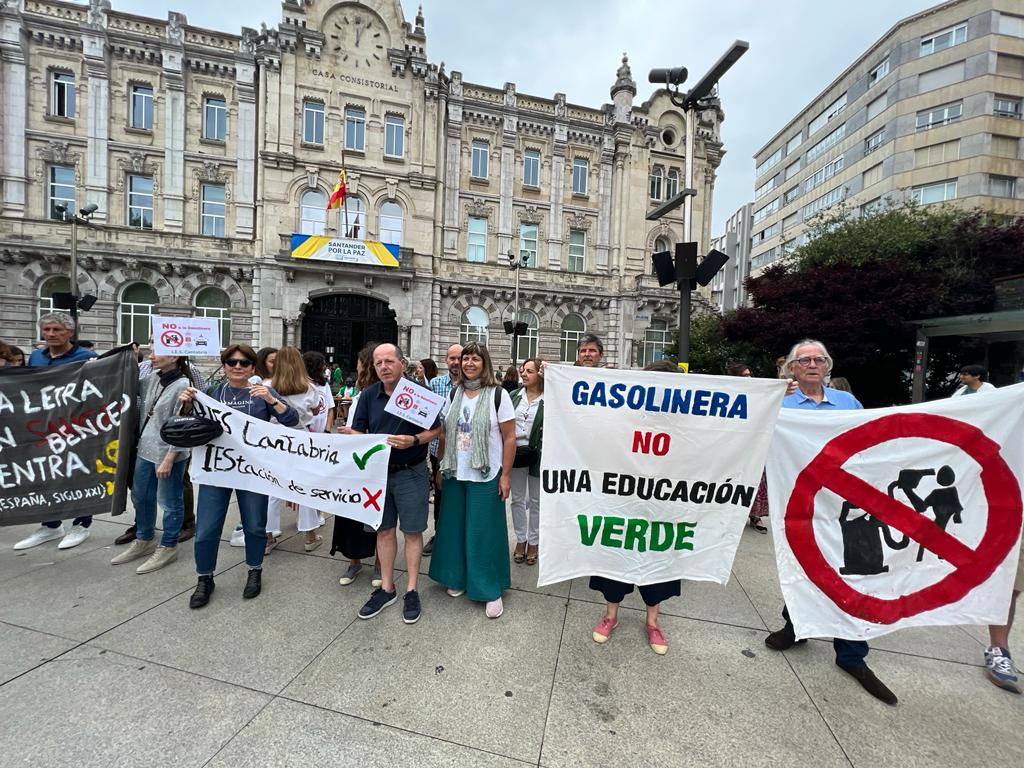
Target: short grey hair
590 338
791 357
60 318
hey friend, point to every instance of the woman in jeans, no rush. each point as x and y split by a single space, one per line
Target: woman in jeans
529 405
159 468
259 402
479 445
292 384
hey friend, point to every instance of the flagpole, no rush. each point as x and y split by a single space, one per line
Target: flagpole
345 201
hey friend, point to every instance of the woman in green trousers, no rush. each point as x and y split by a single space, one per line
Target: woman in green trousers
477 449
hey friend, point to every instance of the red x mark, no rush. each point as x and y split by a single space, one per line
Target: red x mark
371 498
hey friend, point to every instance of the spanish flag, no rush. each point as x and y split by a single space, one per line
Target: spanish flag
340 190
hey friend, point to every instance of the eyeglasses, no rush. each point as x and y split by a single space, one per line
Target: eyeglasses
818 360
236 363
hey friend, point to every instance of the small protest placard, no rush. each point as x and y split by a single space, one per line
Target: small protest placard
415 404
196 336
343 475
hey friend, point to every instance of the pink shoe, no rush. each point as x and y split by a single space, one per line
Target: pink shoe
604 628
494 609
657 640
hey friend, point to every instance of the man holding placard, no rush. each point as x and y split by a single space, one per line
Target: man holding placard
406 497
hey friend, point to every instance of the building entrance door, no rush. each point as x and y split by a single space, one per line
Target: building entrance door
340 325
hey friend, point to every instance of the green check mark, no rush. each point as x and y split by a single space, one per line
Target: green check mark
361 460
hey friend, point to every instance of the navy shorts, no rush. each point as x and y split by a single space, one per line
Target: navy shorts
406 503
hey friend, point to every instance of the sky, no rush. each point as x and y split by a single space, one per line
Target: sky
797 47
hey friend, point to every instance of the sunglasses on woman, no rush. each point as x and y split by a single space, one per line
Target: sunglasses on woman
236 363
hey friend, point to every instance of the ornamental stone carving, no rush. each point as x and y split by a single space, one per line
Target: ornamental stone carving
478 209
529 215
577 221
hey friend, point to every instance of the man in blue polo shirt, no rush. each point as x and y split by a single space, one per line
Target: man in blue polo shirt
809 363
58 330
405 502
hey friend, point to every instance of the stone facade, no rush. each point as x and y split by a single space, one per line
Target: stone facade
200 149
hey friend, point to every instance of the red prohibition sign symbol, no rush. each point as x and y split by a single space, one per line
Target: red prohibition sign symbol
171 338
972 566
404 402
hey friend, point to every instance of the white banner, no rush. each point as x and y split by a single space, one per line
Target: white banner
415 403
341 474
898 517
196 336
649 477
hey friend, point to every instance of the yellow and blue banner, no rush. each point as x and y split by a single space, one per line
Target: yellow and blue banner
345 251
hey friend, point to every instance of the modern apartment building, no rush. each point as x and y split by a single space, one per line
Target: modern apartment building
930 113
728 289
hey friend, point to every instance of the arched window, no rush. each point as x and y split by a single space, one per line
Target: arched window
671 184
50 286
313 212
391 223
353 223
656 339
573 327
213 302
526 345
655 183
136 312
475 321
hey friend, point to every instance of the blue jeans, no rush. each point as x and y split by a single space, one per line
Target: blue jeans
849 653
147 489
212 509
85 522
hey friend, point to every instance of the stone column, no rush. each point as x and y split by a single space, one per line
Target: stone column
555 235
15 103
452 166
245 139
508 167
97 159
174 124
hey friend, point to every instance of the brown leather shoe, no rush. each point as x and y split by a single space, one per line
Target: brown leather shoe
127 537
186 533
863 675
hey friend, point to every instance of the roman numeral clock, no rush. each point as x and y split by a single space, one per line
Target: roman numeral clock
358 39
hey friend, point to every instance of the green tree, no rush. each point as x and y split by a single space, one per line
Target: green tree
860 281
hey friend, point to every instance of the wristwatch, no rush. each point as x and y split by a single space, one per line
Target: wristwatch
415 439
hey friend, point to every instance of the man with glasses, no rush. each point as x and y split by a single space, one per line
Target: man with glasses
809 363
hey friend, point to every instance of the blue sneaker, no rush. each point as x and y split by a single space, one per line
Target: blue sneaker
411 609
1000 669
379 600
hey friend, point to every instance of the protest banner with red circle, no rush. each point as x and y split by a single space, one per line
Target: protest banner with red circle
972 567
405 402
171 338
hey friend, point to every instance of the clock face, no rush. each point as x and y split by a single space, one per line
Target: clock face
358 38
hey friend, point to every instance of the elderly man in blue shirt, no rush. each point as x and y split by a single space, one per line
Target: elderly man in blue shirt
57 329
809 363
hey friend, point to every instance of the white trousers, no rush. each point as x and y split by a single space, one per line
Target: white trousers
309 518
526 498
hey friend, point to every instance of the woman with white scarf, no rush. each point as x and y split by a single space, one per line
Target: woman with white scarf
478 447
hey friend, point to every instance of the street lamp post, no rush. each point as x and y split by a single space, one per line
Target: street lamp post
82 217
515 264
690 102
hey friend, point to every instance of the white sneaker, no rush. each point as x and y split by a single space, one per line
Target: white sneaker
238 537
77 535
162 556
494 609
40 535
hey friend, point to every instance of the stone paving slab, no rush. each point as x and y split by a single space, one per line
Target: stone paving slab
455 675
94 708
24 649
288 734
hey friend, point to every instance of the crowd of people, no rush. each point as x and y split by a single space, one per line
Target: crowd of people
481 456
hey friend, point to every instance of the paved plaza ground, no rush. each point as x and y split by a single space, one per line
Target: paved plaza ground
101 667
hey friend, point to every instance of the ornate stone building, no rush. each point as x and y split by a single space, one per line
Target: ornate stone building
209 153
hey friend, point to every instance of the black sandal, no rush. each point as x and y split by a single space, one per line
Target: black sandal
755 523
517 556
531 559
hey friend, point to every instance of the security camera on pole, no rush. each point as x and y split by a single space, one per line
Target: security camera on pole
681 267
71 300
514 326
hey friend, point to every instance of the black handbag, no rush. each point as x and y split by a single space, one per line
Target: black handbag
190 431
526 456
